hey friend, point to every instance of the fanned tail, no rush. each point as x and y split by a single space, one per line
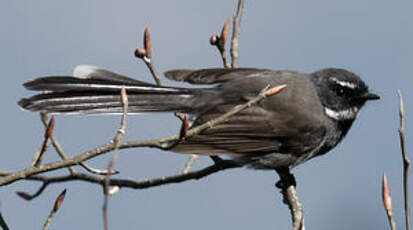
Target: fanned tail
98 91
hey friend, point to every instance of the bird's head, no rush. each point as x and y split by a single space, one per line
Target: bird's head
342 93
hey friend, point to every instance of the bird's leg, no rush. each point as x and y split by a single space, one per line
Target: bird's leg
287 185
286 178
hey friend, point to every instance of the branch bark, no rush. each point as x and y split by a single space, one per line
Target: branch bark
3 223
406 163
287 185
116 140
235 33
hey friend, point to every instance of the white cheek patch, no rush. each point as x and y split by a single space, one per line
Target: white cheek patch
347 114
344 83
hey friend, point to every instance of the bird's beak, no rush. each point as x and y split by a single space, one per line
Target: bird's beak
370 96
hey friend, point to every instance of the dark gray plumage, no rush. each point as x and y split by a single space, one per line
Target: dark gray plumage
306 119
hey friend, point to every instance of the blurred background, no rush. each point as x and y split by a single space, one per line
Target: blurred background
341 190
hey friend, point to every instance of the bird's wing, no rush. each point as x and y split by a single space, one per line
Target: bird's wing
254 131
284 123
210 76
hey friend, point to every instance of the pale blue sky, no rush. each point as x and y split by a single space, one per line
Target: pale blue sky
372 38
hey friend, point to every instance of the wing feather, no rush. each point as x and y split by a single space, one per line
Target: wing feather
210 76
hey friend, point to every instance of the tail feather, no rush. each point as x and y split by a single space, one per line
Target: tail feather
96 94
68 83
88 102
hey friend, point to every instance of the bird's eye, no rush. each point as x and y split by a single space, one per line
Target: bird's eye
340 91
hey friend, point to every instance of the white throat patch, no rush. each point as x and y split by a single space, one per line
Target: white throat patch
347 114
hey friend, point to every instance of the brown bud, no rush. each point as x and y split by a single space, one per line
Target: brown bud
59 200
213 40
50 127
123 96
387 203
140 53
184 127
275 90
24 195
147 43
225 29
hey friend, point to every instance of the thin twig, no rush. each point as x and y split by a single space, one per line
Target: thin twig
56 206
29 197
137 184
146 55
182 134
387 203
406 163
103 172
116 140
235 33
148 62
3 223
189 163
63 155
162 143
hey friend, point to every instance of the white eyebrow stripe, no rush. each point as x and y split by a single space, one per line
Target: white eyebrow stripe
345 83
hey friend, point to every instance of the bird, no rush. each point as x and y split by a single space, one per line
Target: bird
307 119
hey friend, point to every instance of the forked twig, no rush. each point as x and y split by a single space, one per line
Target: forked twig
220 43
162 143
63 155
146 55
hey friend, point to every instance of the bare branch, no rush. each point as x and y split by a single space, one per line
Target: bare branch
63 155
162 143
116 140
189 163
3 223
103 172
137 184
287 185
56 206
235 33
29 197
406 163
